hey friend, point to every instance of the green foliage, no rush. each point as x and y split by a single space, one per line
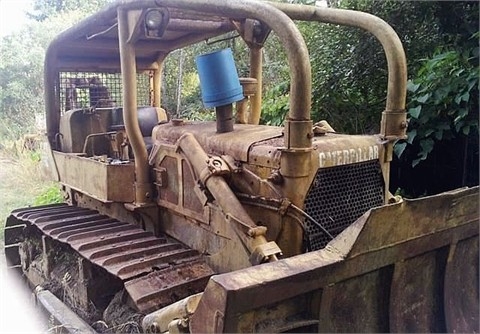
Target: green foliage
276 82
35 156
275 105
43 9
21 180
20 83
191 105
349 76
349 66
21 65
443 101
50 195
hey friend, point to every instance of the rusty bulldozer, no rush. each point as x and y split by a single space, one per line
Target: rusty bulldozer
172 225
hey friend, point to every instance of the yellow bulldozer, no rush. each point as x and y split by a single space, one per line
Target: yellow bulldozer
173 225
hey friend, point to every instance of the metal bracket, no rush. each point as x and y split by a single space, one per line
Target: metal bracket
234 165
253 32
215 166
394 125
161 179
264 251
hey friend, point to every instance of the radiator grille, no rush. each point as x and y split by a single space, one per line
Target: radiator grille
340 195
99 89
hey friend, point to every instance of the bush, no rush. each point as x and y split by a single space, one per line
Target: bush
50 195
443 102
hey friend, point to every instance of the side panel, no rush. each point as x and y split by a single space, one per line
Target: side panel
102 181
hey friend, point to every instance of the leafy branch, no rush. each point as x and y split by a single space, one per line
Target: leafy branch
443 101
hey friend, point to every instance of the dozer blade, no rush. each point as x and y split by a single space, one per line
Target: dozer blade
155 271
406 267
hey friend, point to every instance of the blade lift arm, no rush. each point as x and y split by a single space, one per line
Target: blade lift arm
209 172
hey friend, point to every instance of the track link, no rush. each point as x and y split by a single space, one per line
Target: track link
155 271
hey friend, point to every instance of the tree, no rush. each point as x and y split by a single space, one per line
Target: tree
21 65
349 66
43 9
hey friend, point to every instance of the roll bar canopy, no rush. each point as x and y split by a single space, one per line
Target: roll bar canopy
137 34
94 44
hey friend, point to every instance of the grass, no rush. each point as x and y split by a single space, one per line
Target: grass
22 181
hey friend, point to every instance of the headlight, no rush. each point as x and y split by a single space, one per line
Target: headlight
154 19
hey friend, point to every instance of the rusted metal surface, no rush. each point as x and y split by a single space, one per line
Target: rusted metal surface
356 305
251 235
382 238
235 144
165 286
152 269
143 187
60 313
256 62
338 149
328 151
461 287
416 294
97 179
160 320
13 236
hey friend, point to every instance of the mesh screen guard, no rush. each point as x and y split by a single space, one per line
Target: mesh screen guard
340 195
99 89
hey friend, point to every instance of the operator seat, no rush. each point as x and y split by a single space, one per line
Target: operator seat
148 118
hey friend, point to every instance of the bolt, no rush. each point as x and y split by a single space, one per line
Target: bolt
217 163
